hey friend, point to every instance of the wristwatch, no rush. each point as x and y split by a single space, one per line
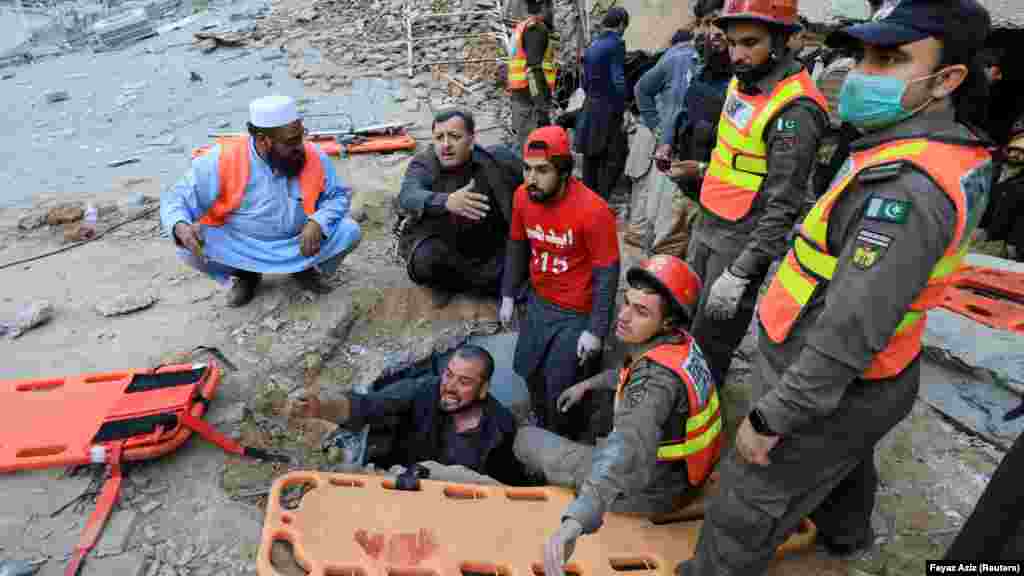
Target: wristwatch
759 424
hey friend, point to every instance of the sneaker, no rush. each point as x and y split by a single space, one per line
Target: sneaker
243 288
310 279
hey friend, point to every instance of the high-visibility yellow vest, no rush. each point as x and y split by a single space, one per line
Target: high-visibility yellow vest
808 267
739 162
701 447
517 79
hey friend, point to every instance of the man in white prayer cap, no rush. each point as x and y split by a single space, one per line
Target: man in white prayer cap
269 202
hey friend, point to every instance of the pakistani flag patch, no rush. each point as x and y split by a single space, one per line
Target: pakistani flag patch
887 210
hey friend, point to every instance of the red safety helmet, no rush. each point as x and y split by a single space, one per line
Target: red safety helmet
778 12
673 276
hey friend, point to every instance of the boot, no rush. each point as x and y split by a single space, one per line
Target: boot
244 288
310 279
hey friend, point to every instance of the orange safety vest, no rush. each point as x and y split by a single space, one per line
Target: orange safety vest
517 79
739 162
702 445
233 175
959 170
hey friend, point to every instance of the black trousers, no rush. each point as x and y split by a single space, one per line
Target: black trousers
576 424
995 530
434 262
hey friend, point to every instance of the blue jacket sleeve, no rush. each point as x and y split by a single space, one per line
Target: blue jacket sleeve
193 194
334 202
647 88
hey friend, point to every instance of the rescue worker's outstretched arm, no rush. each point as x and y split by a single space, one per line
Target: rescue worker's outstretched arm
882 268
192 195
624 464
650 84
416 195
334 202
793 139
535 43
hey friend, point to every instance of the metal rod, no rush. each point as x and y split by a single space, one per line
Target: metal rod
418 38
458 61
443 14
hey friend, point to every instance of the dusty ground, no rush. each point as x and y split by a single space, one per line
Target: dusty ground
199 511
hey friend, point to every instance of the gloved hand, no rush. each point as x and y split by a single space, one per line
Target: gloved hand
725 295
508 308
560 547
587 345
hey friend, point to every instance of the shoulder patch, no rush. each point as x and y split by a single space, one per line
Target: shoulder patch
887 210
879 173
869 247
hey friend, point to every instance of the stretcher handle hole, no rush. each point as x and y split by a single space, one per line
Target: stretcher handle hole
40 451
345 571
40 385
484 569
292 494
527 495
287 519
282 558
96 378
411 572
347 482
1018 327
464 493
398 486
571 569
633 564
978 310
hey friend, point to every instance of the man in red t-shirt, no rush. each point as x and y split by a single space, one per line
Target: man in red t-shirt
564 234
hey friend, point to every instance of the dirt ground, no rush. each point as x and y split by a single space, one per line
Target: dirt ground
198 511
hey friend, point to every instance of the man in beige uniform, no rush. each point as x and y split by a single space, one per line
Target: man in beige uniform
840 325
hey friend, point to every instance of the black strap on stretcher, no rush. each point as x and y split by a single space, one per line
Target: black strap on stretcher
116 433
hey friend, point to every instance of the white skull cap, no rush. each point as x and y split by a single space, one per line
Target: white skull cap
272 111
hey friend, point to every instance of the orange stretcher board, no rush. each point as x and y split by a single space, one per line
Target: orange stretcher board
331 147
1004 282
998 314
358 525
107 418
60 421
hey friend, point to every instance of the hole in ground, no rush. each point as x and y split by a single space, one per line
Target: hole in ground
411 572
40 451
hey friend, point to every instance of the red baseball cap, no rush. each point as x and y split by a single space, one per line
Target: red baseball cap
547 142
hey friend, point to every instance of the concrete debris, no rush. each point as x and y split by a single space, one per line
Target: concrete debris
123 161
150 506
228 39
194 76
264 76
31 221
123 29
53 96
238 81
117 532
125 303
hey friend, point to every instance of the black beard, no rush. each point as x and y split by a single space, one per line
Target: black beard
540 196
288 165
719 62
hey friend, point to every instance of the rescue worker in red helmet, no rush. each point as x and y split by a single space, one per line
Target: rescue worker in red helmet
839 327
666 435
757 181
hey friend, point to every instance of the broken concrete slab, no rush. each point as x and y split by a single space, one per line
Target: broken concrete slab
129 564
125 304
